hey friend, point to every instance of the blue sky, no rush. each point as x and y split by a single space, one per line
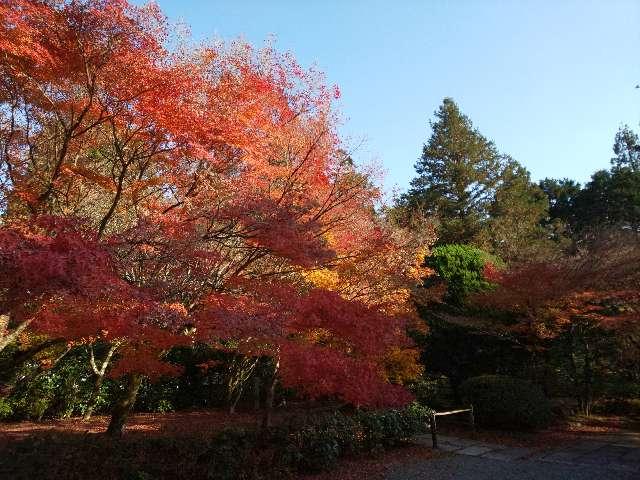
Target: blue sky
549 81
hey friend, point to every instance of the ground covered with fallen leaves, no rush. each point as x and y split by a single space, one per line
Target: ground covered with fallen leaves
34 439
375 466
563 431
147 424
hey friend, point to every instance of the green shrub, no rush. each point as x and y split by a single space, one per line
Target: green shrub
316 445
318 448
279 453
164 406
231 455
6 409
321 441
433 391
387 428
507 402
462 267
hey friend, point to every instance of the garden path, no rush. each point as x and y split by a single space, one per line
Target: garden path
615 456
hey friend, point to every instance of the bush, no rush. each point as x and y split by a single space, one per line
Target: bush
6 410
280 453
315 446
320 442
434 391
389 428
318 445
507 402
232 455
462 267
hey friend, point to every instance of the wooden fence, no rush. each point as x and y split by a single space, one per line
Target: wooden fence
434 423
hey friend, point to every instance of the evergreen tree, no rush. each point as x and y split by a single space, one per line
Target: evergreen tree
626 146
457 175
562 195
610 199
515 229
477 195
561 221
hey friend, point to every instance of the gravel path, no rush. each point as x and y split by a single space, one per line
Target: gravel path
464 467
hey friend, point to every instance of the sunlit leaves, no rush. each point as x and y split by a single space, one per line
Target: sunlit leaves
191 193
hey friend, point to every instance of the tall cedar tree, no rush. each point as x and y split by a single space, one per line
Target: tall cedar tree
457 175
478 195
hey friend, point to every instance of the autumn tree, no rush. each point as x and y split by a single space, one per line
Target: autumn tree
581 298
211 180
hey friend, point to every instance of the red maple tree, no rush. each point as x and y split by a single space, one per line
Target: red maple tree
188 194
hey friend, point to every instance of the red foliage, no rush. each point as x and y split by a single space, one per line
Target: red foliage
321 371
600 284
326 345
188 191
50 256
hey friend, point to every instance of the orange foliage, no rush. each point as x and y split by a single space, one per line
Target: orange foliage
190 191
600 284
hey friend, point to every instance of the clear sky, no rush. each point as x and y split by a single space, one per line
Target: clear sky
549 81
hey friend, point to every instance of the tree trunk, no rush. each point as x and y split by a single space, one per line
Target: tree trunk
234 403
588 381
241 369
124 406
271 390
7 338
256 393
93 400
99 373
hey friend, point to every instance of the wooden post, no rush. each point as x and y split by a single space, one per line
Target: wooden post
472 418
434 431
